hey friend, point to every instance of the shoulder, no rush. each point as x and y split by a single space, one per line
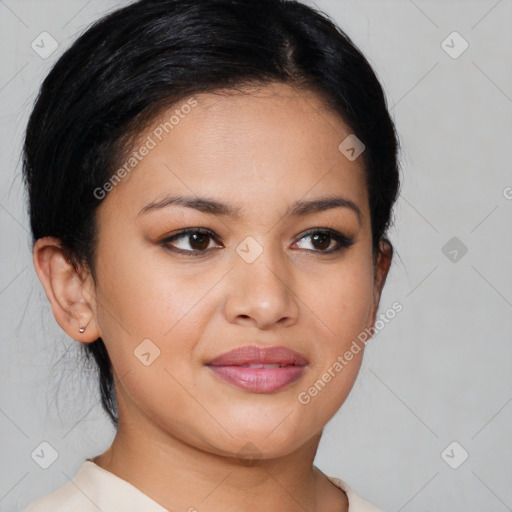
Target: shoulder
64 499
355 502
92 489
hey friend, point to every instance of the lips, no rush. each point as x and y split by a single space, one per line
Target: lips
259 369
259 355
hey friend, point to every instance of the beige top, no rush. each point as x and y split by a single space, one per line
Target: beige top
95 489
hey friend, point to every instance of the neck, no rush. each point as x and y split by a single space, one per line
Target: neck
179 476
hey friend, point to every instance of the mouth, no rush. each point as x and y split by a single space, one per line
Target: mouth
259 369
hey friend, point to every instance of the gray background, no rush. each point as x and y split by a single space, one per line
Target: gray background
439 372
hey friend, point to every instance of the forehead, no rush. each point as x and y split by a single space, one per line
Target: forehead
272 143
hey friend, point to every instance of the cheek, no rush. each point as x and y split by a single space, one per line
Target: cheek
155 315
350 300
339 306
341 301
145 294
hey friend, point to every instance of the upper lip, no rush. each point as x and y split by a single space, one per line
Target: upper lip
252 354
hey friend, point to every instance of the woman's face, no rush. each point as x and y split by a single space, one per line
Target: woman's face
254 170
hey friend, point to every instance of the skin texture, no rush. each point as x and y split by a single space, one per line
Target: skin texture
181 427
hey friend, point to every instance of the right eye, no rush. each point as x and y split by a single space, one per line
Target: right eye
198 239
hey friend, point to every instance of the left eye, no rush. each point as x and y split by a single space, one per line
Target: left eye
326 241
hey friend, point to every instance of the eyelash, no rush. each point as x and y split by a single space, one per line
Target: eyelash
344 241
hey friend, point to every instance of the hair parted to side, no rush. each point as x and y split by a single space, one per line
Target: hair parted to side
135 62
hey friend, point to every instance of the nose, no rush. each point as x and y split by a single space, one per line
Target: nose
261 293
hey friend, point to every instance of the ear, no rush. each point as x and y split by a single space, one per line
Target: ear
381 269
69 290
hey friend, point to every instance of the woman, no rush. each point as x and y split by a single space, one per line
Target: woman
210 185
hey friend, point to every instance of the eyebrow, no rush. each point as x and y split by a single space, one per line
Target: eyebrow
213 207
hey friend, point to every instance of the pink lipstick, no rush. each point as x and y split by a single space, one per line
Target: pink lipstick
259 369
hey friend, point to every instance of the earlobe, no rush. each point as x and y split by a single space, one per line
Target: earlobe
71 295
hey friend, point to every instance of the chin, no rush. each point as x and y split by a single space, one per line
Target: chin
266 442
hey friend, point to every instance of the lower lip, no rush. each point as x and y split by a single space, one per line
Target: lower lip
259 380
